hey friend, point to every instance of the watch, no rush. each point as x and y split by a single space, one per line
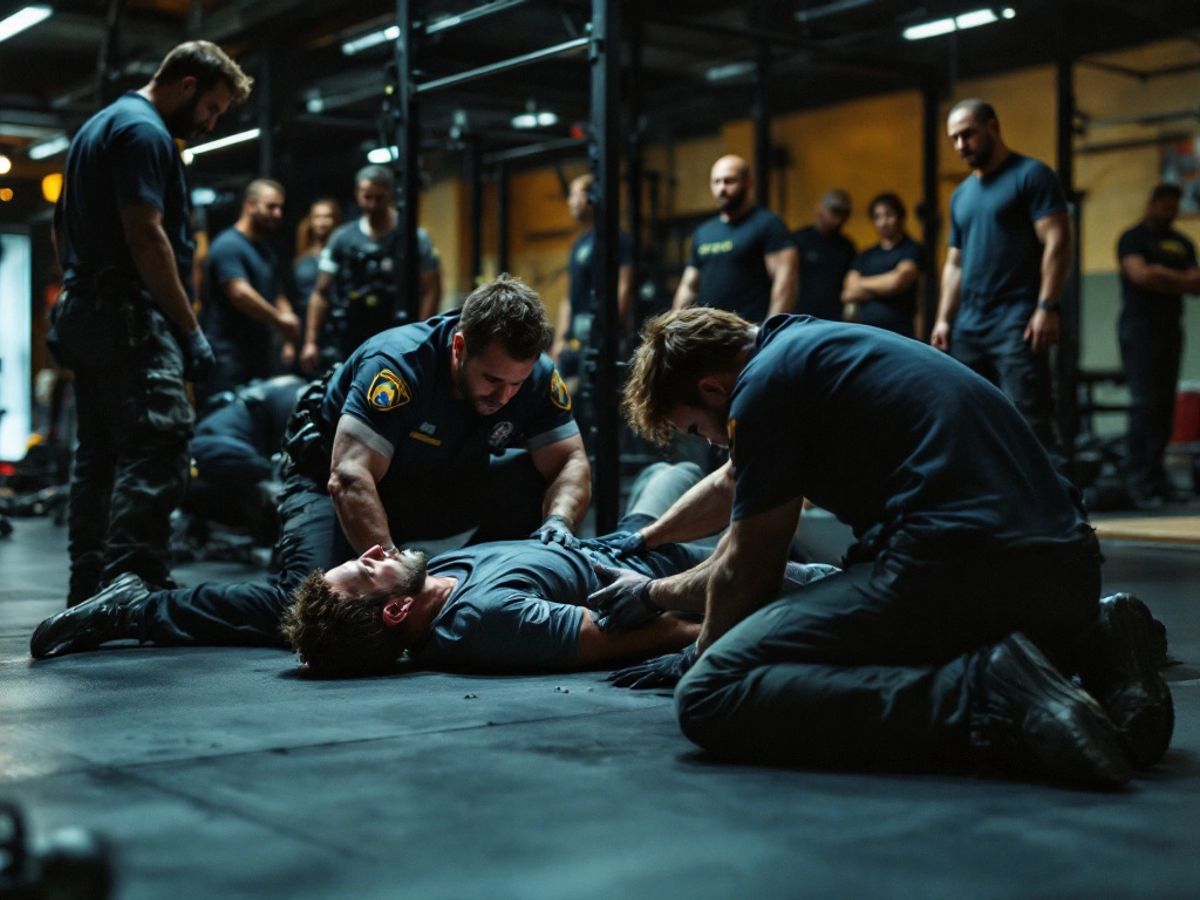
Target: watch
1049 305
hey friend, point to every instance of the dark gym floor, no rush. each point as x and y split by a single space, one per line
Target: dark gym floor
221 773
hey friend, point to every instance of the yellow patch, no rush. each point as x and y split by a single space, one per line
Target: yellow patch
425 439
388 391
559 395
731 427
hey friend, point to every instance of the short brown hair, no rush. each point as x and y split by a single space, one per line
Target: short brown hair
677 350
339 635
208 64
509 311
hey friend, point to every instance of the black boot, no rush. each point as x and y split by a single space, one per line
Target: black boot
111 615
1030 718
1125 652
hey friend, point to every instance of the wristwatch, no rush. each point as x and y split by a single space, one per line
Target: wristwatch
1049 305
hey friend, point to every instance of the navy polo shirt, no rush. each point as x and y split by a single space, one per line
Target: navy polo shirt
991 222
122 156
581 274
397 390
824 262
232 333
888 433
729 255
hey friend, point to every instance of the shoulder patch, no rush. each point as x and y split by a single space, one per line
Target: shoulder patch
387 391
559 395
731 428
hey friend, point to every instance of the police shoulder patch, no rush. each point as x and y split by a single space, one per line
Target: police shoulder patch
559 395
388 391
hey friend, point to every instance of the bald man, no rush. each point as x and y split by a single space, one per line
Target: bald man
244 299
743 259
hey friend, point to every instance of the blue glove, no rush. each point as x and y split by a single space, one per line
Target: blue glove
625 602
621 543
198 358
556 528
660 672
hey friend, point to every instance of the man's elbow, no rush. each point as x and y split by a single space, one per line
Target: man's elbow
344 480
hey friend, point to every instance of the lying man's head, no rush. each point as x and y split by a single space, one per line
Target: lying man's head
348 621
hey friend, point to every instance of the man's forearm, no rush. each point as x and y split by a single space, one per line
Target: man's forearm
702 511
360 512
783 290
732 596
1056 263
251 304
948 302
155 261
687 591
570 492
1161 280
314 318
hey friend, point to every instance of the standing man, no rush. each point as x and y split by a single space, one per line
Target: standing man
427 430
578 315
883 279
1010 251
974 566
1158 266
825 255
244 293
742 259
358 289
124 323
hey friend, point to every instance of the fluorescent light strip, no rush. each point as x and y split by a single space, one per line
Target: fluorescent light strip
961 22
383 155
22 19
48 148
224 142
374 39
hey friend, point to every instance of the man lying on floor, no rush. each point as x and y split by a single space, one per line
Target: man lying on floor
500 605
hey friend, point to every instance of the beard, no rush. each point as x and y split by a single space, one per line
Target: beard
182 123
414 567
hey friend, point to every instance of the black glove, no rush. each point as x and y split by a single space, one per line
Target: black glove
198 358
556 528
625 602
621 543
660 672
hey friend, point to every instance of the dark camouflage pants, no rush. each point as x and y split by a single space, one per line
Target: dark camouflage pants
131 461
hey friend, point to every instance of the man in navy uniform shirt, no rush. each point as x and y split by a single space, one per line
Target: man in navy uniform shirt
428 430
244 293
824 254
742 259
1158 266
357 293
974 567
124 322
883 279
1010 251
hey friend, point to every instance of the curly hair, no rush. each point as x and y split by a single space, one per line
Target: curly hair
677 350
336 634
509 311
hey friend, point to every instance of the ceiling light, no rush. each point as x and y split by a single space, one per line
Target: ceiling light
203 196
5 164
381 156
961 22
22 19
534 117
6 194
374 39
49 148
729 70
226 141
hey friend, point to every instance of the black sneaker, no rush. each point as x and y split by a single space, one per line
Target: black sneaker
1132 647
114 613
1034 719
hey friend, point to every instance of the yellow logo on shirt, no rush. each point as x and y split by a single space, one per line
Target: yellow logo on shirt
559 395
387 391
714 247
1172 247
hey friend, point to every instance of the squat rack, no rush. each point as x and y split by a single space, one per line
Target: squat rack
603 48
